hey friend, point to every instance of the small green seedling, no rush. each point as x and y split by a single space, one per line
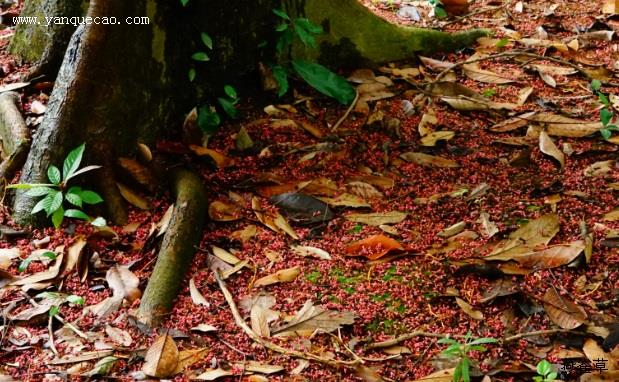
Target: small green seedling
57 299
457 350
545 372
606 114
57 191
209 118
201 56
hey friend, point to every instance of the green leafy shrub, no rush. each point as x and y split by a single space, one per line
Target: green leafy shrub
316 75
458 350
57 191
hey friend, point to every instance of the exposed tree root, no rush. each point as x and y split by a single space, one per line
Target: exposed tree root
177 248
14 135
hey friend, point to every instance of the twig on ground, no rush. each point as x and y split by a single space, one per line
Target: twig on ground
533 334
343 117
270 345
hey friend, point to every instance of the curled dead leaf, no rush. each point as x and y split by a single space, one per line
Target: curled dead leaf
373 247
281 276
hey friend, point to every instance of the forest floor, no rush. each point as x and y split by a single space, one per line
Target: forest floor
480 198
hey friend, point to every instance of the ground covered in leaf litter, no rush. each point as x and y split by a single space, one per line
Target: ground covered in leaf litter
450 209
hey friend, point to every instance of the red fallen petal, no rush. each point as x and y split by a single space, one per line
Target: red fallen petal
374 247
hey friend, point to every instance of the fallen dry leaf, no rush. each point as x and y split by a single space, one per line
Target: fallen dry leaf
548 147
308 251
428 160
161 358
220 211
220 159
195 294
468 309
563 312
311 318
123 282
377 218
284 275
373 247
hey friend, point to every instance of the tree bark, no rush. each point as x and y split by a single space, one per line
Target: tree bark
14 136
177 248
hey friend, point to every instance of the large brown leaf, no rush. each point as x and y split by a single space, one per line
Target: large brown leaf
562 311
428 160
311 318
377 218
161 358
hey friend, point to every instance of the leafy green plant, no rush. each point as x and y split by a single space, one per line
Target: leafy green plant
545 372
606 114
316 75
461 350
439 11
201 56
209 118
57 191
34 257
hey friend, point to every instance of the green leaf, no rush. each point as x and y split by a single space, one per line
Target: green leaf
281 14
325 81
39 191
308 25
99 222
465 367
50 255
24 264
206 40
72 161
605 116
53 174
43 204
184 2
58 217
90 197
502 42
551 376
603 99
230 92
54 310
200 56
208 120
480 348
191 74
77 214
306 38
440 12
280 75
228 107
73 199
543 367
55 204
284 41
75 299
281 27
458 372
596 85
484 340
606 133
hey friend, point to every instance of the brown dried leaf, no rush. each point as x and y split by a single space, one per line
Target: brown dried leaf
563 312
594 353
220 159
74 255
45 275
220 211
345 200
433 137
468 309
311 318
7 255
257 367
364 190
474 72
161 358
140 173
213 374
261 315
428 160
548 147
274 220
377 218
132 197
187 358
307 251
123 282
281 276
195 294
